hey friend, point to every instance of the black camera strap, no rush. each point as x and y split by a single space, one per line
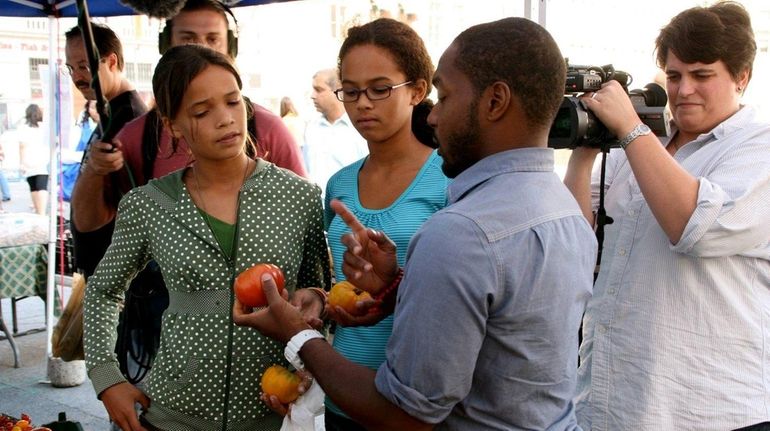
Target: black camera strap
602 218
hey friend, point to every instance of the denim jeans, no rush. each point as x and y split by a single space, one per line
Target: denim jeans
4 187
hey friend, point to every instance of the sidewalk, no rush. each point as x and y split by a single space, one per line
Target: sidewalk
24 390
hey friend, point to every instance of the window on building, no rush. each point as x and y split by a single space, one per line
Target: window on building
144 72
37 24
34 70
337 20
130 70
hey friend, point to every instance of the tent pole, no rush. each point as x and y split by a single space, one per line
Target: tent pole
53 123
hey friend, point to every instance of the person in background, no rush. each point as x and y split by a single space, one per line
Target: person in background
386 74
5 188
203 225
676 334
146 147
94 185
70 170
34 157
488 305
331 140
293 122
87 123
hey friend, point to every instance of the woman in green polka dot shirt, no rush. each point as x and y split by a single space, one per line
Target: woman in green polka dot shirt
204 225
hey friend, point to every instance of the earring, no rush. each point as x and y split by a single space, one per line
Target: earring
740 89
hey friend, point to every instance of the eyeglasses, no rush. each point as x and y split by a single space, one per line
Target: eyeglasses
377 92
82 67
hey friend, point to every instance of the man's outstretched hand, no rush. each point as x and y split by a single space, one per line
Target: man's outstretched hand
370 259
279 320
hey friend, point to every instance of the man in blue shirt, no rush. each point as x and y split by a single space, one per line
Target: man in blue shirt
486 317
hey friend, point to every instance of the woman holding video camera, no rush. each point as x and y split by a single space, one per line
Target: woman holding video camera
676 334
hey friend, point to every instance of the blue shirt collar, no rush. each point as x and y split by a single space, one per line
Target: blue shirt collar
516 160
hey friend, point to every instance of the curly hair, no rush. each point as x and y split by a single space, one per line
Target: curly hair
408 50
709 34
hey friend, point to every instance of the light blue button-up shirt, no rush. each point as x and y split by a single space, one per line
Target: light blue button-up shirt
486 325
678 336
330 147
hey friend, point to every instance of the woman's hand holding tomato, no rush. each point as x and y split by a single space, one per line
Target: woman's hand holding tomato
351 306
347 296
373 315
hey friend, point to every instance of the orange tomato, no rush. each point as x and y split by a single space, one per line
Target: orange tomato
248 284
344 294
282 383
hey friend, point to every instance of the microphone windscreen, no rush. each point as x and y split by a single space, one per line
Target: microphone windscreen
156 8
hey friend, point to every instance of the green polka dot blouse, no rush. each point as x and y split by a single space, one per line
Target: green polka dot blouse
204 358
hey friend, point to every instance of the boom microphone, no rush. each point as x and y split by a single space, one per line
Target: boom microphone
156 8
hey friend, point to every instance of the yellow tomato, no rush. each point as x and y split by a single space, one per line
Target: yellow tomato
282 383
345 295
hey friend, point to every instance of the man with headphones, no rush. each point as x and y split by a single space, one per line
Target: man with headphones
146 147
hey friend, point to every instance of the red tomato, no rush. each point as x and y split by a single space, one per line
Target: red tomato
248 284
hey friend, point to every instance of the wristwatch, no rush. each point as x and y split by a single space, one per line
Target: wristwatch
638 131
291 352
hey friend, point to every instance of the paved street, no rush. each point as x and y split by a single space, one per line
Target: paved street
25 390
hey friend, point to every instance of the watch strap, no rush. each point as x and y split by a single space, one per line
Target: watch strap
640 130
291 352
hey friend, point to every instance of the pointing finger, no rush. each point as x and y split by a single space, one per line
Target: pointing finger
348 217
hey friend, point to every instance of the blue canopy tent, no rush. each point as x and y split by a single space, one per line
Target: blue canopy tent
67 8
53 9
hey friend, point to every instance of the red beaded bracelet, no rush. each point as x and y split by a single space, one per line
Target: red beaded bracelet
384 293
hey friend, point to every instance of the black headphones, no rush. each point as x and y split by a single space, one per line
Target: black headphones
164 37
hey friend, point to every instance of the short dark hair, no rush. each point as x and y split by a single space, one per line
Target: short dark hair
196 5
520 53
106 40
709 34
33 115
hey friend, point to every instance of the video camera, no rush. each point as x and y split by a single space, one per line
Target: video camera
575 126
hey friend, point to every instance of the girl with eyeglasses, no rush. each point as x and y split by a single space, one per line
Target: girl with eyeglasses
386 75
